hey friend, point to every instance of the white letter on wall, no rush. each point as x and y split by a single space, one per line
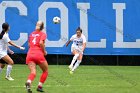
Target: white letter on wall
119 7
84 25
64 22
22 11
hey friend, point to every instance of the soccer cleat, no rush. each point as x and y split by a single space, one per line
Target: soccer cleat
71 72
70 67
39 89
28 87
9 78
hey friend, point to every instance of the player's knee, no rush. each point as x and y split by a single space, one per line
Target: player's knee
77 55
11 62
45 69
45 72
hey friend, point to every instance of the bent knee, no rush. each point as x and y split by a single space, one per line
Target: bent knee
12 63
45 69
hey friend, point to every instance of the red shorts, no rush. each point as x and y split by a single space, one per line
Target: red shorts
37 58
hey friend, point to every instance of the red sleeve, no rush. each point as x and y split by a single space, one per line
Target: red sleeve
43 36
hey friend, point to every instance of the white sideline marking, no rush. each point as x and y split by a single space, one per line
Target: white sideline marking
65 86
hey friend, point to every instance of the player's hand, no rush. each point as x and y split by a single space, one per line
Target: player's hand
22 48
66 45
11 52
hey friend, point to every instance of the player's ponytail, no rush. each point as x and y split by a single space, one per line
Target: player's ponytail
79 29
1 34
5 27
42 26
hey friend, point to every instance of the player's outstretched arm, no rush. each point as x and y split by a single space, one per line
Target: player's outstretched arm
68 43
13 44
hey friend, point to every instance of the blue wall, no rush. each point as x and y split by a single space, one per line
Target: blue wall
101 20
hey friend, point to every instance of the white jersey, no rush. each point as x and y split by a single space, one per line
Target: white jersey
4 43
77 42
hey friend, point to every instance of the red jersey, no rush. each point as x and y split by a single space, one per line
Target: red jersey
34 39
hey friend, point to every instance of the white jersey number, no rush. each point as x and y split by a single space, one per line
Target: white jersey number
34 41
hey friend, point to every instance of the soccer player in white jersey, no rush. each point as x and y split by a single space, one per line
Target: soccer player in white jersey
4 41
77 48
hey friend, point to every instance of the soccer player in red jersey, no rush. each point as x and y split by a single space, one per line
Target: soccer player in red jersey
35 56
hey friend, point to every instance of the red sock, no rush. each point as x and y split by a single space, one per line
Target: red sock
44 76
31 76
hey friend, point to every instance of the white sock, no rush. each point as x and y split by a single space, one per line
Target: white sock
0 70
9 69
76 64
74 59
40 84
29 81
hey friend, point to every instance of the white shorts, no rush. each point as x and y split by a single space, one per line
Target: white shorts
2 54
77 48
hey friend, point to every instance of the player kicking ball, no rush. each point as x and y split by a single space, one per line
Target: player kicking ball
36 57
77 49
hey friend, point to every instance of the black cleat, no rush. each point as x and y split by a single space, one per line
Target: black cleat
39 89
28 87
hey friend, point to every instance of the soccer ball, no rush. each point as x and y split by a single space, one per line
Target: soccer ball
56 20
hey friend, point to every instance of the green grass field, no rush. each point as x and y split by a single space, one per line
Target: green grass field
86 79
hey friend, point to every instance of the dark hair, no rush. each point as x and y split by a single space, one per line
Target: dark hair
5 27
79 29
42 26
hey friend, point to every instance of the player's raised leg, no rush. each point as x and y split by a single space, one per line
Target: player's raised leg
76 55
77 62
43 77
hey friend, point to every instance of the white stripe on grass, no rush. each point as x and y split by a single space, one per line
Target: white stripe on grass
103 85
